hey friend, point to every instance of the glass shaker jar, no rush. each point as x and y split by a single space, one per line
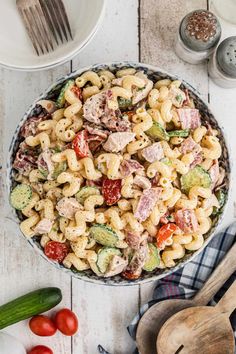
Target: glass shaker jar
222 66
198 35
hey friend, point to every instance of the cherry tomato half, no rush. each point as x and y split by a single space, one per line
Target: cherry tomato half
165 233
40 349
111 190
67 322
78 92
42 326
56 251
130 275
80 144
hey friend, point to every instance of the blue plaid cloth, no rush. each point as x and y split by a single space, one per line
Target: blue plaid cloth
187 281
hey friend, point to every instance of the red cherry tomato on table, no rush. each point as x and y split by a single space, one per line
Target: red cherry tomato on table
42 326
165 233
80 144
67 322
40 349
56 251
111 190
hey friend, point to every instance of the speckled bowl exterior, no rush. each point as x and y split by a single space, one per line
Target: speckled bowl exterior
155 74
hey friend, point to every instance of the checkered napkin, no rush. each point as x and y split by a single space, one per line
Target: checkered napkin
187 281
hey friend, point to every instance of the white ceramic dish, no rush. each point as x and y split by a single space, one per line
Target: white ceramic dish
16 50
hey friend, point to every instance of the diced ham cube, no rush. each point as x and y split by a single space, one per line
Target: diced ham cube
153 153
118 141
146 203
95 131
128 167
133 240
116 266
189 118
139 258
189 145
67 207
197 159
142 182
186 220
214 172
44 226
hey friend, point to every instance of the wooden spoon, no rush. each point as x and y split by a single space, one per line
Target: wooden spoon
203 329
152 321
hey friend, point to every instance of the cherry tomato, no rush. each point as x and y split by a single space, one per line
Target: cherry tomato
56 251
111 190
42 326
78 92
80 144
165 233
127 274
40 349
67 322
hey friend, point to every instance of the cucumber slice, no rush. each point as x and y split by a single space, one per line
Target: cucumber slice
154 259
179 133
105 256
198 176
59 168
61 98
20 196
157 132
221 196
124 103
86 192
104 235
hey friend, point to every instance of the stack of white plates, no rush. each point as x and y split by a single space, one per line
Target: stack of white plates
16 50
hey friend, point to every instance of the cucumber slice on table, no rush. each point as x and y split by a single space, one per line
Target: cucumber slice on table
86 192
153 260
198 176
179 133
105 256
29 305
61 98
104 235
157 132
21 196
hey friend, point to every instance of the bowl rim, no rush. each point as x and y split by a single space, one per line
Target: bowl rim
67 57
111 281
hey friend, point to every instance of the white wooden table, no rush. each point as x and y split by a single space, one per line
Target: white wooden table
144 31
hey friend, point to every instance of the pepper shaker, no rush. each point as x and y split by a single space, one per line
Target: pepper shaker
222 66
198 35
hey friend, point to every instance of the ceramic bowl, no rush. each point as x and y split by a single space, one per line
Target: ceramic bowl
16 50
155 74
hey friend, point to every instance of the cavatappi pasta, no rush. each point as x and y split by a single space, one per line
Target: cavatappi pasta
118 174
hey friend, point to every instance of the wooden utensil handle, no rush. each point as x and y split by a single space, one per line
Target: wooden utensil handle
224 270
227 303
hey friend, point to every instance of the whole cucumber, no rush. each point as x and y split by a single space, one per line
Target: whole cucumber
29 305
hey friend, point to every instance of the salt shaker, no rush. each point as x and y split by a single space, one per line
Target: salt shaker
222 66
198 35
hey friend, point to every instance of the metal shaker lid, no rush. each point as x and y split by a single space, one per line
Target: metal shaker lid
226 56
200 30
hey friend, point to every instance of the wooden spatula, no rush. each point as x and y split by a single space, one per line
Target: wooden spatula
201 329
152 321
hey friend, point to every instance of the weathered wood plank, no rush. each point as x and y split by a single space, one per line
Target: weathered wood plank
21 270
159 21
158 28
105 312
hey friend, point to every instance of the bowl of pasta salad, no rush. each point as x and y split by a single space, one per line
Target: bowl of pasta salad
119 174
